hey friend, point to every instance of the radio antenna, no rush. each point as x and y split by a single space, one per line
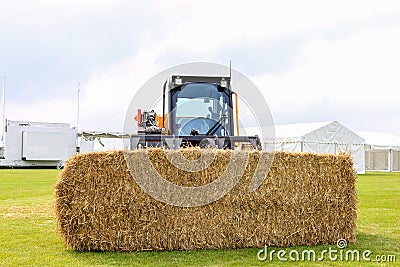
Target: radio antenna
230 73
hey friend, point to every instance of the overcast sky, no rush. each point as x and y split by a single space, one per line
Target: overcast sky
312 60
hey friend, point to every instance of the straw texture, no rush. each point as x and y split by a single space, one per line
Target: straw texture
306 199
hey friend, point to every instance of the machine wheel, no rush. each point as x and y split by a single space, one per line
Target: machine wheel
207 143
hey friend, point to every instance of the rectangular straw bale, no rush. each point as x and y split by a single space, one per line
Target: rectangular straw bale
306 199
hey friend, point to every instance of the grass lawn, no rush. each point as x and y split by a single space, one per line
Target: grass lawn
28 236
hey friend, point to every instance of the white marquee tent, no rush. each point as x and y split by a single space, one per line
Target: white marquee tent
382 151
321 137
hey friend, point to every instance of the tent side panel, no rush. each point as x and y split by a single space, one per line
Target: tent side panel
396 160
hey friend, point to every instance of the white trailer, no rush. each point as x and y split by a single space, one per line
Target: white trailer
41 144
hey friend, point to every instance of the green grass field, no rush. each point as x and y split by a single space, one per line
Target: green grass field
28 236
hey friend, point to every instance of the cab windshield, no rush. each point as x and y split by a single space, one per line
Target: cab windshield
201 106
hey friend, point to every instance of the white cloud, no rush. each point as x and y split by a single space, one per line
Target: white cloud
360 69
363 67
211 24
108 92
51 110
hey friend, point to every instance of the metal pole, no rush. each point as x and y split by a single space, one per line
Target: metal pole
77 122
77 115
4 104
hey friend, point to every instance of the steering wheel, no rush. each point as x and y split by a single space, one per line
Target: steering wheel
203 125
200 124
